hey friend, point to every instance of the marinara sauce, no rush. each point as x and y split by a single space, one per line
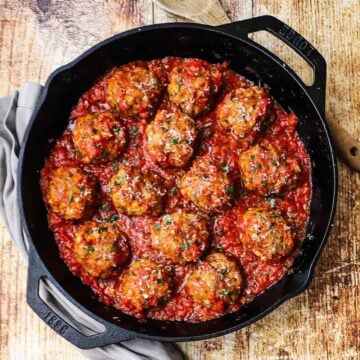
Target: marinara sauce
213 107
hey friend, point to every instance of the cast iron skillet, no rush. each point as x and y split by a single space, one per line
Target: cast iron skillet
227 42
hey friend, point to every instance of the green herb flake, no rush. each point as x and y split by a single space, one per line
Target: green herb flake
172 191
185 245
117 129
224 292
106 207
168 222
157 227
229 190
115 166
70 197
102 229
160 281
133 131
104 154
112 247
90 249
224 271
174 141
225 168
113 218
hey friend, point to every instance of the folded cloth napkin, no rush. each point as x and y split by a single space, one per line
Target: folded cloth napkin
15 113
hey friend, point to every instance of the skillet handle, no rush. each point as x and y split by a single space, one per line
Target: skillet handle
295 41
112 334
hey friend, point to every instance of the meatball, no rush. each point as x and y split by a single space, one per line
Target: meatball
266 234
100 248
98 137
170 138
71 193
244 111
192 86
206 185
136 193
182 237
144 285
215 282
133 90
266 170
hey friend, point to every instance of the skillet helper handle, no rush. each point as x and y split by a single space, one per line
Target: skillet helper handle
348 148
112 334
295 41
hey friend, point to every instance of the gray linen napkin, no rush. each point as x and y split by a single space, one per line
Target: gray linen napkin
15 112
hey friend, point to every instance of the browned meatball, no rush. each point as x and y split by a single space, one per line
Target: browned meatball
215 282
266 234
144 285
133 90
98 137
71 193
170 138
192 86
182 237
136 193
206 185
244 110
100 248
265 169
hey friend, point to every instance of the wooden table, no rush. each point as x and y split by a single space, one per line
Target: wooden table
324 321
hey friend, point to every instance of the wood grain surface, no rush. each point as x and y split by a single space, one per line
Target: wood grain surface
323 322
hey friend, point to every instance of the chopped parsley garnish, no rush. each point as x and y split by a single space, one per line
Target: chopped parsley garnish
224 292
225 168
133 131
102 229
185 245
157 227
224 271
168 222
112 218
117 129
90 249
173 191
174 141
115 165
160 281
106 207
229 190
70 197
112 247
104 154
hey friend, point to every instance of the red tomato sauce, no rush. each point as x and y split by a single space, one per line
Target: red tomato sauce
212 139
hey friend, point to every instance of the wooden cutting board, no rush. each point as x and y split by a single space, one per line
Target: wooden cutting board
323 322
